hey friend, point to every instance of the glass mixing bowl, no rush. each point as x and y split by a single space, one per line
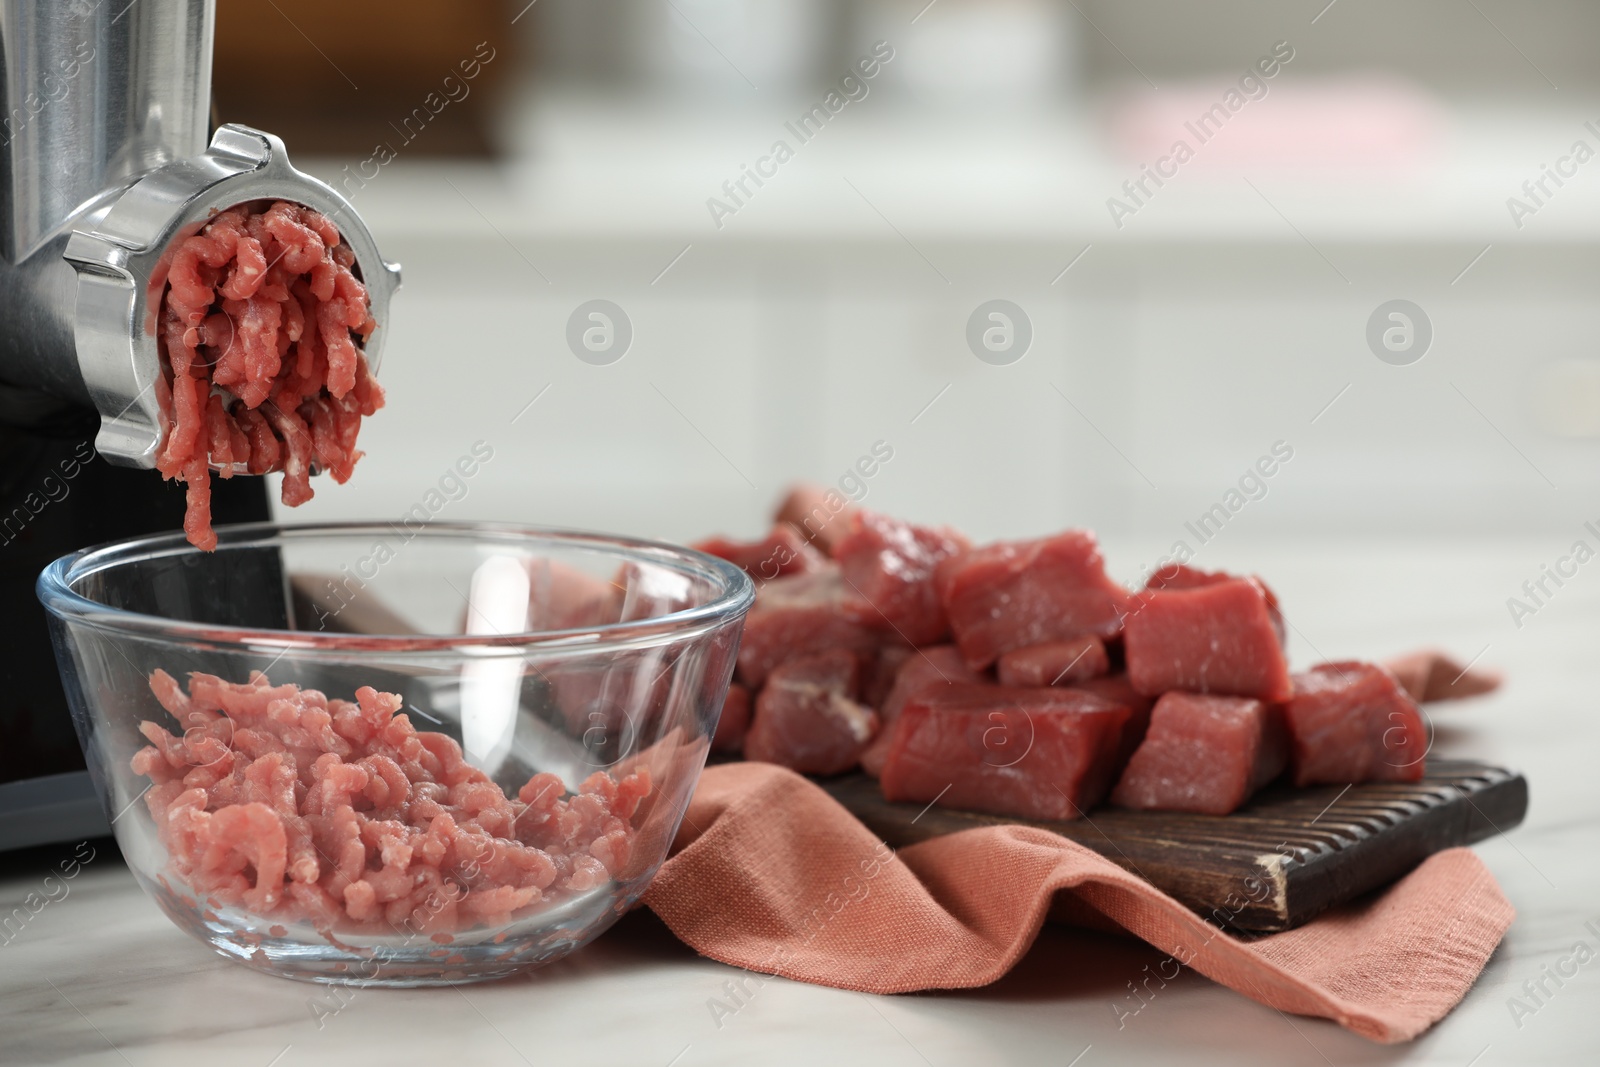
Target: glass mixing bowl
540 707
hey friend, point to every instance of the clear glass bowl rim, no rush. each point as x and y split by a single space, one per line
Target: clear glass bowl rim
54 589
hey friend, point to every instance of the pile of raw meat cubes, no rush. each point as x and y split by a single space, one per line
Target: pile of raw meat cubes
1018 678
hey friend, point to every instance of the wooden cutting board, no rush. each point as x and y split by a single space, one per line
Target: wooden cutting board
1282 859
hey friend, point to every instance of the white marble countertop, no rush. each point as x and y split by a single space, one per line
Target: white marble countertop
101 977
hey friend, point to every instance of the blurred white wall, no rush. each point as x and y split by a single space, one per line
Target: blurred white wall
1168 355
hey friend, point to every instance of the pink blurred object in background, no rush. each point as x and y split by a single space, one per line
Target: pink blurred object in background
1363 122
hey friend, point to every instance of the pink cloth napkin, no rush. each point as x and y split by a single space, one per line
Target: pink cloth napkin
1431 675
771 874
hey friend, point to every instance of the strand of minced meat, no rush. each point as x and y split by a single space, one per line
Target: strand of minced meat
258 325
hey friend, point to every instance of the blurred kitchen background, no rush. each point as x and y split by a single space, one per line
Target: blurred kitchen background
521 161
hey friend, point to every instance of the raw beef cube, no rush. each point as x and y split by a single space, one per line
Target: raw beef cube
1118 690
564 598
1205 754
927 667
877 681
1179 576
892 564
1012 595
821 516
650 590
783 551
1116 660
1055 662
734 720
807 718
1351 722
801 614
935 665
1043 753
1217 638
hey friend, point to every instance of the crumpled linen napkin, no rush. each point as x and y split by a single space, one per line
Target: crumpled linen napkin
771 874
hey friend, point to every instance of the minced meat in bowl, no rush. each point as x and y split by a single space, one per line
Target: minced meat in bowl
395 754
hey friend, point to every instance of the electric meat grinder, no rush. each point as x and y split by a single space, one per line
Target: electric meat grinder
105 162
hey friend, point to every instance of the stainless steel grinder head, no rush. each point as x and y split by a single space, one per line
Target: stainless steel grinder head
121 258
105 163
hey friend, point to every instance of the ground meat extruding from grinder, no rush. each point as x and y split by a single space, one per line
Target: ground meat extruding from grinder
298 807
262 304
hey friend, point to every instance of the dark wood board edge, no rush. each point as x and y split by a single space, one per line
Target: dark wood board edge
1336 845
1322 882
